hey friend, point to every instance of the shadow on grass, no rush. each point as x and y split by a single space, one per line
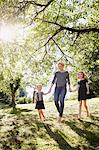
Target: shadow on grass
1 116
4 106
19 111
96 118
58 137
39 125
13 141
91 137
15 138
87 124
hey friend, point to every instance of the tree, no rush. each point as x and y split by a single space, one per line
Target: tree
14 85
57 30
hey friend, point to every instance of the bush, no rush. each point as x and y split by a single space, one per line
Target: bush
4 98
23 100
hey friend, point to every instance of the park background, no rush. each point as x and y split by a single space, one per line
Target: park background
34 36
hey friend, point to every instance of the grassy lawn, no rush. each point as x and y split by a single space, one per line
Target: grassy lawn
23 130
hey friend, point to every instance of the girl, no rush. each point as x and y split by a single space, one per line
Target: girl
83 91
39 101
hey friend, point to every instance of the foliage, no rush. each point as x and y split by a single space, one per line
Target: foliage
22 92
87 60
53 30
23 100
4 98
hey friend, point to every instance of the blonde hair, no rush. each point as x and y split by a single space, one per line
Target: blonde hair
39 85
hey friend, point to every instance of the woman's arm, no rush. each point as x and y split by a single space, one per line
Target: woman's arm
69 82
53 81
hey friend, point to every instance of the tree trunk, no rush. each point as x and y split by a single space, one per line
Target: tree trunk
13 101
14 85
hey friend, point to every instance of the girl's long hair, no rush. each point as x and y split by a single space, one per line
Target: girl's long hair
84 75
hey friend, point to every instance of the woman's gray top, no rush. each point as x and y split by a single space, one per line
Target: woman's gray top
61 78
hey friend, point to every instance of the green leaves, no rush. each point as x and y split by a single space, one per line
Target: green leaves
54 30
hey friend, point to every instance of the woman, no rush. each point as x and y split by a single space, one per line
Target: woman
61 78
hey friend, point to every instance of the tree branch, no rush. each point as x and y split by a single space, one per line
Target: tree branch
66 56
44 54
57 31
75 38
24 4
32 2
42 10
78 30
59 11
59 59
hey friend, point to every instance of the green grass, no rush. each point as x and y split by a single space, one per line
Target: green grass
23 129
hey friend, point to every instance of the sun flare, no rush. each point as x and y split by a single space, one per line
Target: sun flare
10 33
7 33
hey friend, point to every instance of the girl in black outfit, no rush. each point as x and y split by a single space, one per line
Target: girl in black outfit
83 91
39 101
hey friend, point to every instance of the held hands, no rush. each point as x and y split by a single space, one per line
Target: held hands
74 89
88 92
49 90
70 90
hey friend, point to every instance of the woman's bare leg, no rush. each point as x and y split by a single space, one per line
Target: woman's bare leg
85 105
80 107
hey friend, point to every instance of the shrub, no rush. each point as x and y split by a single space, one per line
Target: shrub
23 100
